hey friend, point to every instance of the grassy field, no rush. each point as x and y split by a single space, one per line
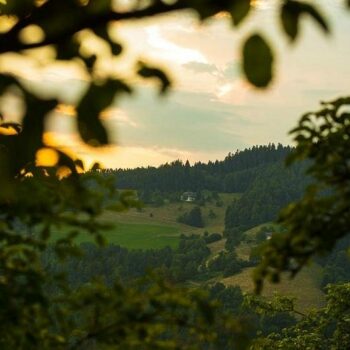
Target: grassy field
139 236
304 287
168 214
157 227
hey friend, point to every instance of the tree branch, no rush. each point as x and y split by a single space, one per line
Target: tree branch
9 41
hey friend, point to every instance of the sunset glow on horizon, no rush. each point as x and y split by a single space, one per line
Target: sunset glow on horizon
211 109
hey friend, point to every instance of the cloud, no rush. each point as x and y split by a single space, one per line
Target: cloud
232 70
114 114
212 110
200 67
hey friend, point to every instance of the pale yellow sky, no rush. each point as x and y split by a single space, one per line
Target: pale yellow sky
211 110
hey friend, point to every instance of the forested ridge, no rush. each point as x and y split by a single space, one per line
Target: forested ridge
259 173
233 174
273 187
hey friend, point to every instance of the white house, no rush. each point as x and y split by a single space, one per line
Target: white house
188 197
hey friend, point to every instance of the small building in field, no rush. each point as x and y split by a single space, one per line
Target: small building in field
268 235
188 197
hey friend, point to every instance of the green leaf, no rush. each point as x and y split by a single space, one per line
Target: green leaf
291 13
19 8
33 126
96 99
148 72
99 6
290 20
66 50
90 61
6 81
239 10
102 32
258 61
315 14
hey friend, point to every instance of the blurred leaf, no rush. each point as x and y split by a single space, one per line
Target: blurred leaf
68 49
95 166
148 72
79 163
32 129
292 11
14 126
102 32
290 20
90 61
18 8
96 99
6 81
239 10
66 161
99 6
258 61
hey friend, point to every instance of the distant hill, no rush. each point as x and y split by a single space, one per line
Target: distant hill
258 173
274 187
233 174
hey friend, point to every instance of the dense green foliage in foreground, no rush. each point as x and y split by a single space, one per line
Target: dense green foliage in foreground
324 329
315 223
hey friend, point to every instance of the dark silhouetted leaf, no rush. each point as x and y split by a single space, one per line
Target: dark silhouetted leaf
239 10
33 125
79 163
66 50
151 72
258 61
90 61
95 166
6 81
290 20
292 11
102 32
96 99
15 126
315 14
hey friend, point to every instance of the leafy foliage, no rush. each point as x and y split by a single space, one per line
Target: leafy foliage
316 222
258 61
327 328
291 13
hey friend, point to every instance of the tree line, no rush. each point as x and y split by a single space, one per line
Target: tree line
233 174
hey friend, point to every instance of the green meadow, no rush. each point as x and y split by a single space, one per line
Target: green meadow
134 235
143 236
155 227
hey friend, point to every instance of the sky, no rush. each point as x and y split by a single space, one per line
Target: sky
210 110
